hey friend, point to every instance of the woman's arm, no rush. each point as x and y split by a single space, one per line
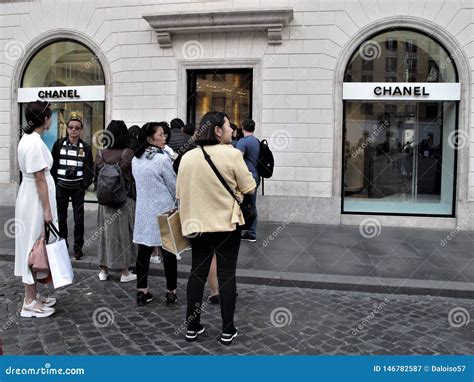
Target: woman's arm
43 194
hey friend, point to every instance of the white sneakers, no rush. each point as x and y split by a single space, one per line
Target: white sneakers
155 259
35 309
129 277
103 276
48 302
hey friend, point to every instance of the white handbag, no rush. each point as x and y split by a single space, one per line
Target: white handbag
59 260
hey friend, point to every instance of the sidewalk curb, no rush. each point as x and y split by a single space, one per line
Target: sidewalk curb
316 281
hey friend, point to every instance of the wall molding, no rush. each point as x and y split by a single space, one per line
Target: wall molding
271 20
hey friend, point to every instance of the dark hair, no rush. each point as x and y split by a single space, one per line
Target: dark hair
206 135
116 136
248 125
133 135
134 131
189 128
233 126
36 112
75 119
166 129
147 131
177 123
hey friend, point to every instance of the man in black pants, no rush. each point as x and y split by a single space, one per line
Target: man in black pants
73 173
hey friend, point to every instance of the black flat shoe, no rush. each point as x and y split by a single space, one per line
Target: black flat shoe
171 298
143 299
214 300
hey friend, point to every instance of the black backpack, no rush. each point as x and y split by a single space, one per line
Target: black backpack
265 162
111 187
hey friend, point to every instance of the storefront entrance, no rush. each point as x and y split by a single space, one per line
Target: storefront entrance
401 96
69 76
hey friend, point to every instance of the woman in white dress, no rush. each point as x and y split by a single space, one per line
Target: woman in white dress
35 204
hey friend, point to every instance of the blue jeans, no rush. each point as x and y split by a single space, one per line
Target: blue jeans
253 228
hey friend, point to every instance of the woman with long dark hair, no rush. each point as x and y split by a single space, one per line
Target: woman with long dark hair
212 217
156 193
35 204
116 249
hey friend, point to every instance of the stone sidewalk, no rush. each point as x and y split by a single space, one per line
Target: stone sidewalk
94 317
361 258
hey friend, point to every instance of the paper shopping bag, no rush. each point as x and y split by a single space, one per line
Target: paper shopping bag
172 238
59 261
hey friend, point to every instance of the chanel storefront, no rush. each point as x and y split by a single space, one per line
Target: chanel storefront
367 118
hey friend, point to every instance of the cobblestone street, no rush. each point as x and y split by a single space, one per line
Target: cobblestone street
94 317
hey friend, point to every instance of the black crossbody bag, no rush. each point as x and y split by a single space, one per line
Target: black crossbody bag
247 205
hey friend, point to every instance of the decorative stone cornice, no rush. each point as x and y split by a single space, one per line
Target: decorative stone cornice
270 20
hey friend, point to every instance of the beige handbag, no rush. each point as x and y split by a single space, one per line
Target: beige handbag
172 238
38 260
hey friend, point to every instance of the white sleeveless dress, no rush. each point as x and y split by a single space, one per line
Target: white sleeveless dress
33 156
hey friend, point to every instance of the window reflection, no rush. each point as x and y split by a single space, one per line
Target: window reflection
225 90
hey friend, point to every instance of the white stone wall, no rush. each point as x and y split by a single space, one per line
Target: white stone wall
295 95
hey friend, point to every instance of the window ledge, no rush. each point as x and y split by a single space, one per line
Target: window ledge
270 20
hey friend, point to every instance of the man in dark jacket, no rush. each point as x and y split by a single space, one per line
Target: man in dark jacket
178 137
73 172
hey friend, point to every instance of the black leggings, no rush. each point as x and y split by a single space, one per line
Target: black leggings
226 247
143 266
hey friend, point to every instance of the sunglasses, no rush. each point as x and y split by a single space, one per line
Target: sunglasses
74 128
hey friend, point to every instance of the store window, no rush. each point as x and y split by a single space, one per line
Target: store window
69 76
227 90
399 156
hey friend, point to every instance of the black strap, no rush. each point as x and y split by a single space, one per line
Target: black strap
216 171
52 228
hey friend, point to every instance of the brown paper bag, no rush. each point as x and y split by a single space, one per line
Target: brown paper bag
172 238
